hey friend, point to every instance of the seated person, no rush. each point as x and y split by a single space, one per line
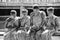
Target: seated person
12 21
24 21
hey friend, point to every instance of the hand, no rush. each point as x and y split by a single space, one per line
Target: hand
33 26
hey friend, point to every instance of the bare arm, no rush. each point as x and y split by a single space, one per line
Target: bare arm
6 22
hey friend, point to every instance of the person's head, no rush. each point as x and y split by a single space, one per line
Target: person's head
13 13
43 14
35 8
24 12
50 11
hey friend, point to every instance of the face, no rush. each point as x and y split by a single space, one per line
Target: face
24 13
35 10
50 12
13 14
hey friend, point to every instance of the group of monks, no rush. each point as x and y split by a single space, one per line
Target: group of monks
37 26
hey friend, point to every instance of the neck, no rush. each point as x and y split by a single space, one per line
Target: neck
50 15
24 16
36 13
13 16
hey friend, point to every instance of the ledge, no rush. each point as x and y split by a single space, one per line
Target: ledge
29 4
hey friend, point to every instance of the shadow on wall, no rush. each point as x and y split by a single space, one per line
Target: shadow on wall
29 11
57 12
5 12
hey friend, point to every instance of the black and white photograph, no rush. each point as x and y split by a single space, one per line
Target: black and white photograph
29 19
